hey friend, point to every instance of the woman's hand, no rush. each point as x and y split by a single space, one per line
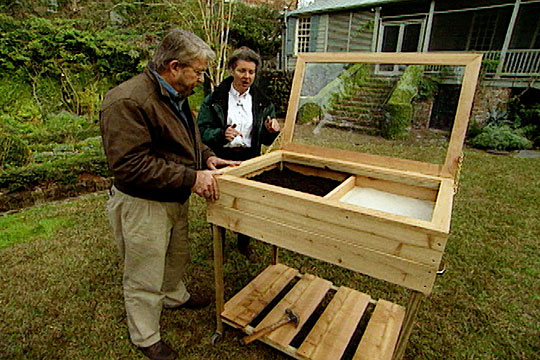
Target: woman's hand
231 133
272 125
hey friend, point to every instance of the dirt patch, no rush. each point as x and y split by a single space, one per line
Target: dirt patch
294 180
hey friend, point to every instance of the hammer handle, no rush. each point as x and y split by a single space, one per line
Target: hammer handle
265 330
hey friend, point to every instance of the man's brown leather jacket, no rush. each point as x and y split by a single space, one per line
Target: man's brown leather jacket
152 151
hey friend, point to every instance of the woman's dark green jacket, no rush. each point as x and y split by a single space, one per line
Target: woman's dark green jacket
212 120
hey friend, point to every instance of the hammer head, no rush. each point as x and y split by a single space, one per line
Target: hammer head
292 317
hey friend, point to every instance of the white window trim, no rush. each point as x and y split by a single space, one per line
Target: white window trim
297 33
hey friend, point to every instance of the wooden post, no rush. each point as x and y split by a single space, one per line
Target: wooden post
408 322
217 232
275 254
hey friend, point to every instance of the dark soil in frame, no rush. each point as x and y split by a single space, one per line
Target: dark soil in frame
294 180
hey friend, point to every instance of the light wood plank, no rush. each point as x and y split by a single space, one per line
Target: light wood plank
342 189
403 272
331 334
380 338
365 158
392 187
442 213
353 168
408 58
303 299
309 170
254 164
463 111
243 307
419 249
416 248
294 99
331 211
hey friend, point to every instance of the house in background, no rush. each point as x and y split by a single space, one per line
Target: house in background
506 31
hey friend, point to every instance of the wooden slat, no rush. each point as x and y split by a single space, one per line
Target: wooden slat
303 299
415 192
411 166
342 189
253 164
416 247
243 307
403 176
294 99
463 111
384 266
391 58
442 213
331 334
333 212
380 338
313 171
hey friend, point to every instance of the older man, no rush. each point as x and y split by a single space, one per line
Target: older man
154 151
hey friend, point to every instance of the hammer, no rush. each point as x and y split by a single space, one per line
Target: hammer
290 317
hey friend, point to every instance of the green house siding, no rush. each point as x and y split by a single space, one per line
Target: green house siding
322 31
314 35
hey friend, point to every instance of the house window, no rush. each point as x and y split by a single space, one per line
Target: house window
302 34
483 31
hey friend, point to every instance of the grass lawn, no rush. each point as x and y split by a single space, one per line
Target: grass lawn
60 277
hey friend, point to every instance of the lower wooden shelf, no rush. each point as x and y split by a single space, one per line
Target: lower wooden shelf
333 320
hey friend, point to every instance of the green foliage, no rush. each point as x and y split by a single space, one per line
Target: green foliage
276 84
347 83
13 150
398 110
428 87
64 171
501 137
528 118
308 112
257 27
58 47
397 120
489 66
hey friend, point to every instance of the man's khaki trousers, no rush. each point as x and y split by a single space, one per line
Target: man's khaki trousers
152 237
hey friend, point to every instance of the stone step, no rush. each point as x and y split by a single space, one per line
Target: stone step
353 110
361 103
371 121
370 130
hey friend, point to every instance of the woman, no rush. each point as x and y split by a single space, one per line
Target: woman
237 118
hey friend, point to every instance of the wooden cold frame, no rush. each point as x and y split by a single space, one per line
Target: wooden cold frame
402 250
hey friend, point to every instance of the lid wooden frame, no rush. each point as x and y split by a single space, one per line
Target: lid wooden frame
472 64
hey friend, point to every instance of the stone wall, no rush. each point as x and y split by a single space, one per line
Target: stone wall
489 99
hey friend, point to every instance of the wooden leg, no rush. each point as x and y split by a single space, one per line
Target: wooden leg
217 233
408 322
274 254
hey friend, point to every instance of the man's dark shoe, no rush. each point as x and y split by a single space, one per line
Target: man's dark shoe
159 351
194 302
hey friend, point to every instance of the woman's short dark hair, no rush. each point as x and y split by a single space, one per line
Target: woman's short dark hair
243 53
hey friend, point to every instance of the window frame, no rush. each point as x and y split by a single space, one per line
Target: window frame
303 35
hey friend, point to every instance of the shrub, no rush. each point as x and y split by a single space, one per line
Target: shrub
276 84
396 122
308 112
398 110
13 150
64 171
501 138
